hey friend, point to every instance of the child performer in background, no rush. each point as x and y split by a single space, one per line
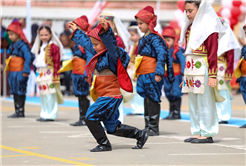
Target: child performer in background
48 51
173 91
79 78
137 103
227 44
240 72
201 31
19 63
150 68
109 68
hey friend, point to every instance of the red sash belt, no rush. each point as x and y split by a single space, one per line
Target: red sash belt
147 65
78 65
16 64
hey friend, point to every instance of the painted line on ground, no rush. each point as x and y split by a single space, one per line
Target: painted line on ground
14 155
207 154
44 156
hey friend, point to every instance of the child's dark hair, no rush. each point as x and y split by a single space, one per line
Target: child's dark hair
196 2
167 37
47 27
244 27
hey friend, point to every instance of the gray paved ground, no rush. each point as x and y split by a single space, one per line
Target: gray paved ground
27 142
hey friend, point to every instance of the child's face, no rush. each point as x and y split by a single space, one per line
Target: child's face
170 41
45 35
14 37
135 37
191 10
98 46
65 40
143 26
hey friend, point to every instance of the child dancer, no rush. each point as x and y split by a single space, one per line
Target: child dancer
173 91
79 78
240 72
48 51
19 64
227 44
201 31
150 68
109 68
137 103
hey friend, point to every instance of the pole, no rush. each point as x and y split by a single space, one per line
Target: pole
28 20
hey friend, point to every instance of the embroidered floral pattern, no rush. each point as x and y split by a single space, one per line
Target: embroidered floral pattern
198 64
221 68
48 72
40 87
188 64
221 82
191 83
44 87
198 83
51 86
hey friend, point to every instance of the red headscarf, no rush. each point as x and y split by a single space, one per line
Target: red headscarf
147 15
16 28
170 32
94 32
82 22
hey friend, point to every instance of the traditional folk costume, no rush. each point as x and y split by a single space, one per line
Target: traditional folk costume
154 55
201 63
47 64
77 65
123 39
240 73
173 91
227 45
137 102
18 63
109 69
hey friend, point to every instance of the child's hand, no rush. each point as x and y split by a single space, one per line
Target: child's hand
181 85
86 79
212 82
104 23
157 78
72 25
25 75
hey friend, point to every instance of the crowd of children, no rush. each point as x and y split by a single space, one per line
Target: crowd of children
203 68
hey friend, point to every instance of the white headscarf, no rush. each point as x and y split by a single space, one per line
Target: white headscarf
122 31
54 39
228 42
205 23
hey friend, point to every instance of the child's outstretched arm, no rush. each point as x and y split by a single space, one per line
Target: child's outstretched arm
107 36
79 37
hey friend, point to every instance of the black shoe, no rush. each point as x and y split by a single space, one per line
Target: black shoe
15 115
189 139
98 133
206 140
141 140
105 146
175 106
244 126
45 120
79 123
223 122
